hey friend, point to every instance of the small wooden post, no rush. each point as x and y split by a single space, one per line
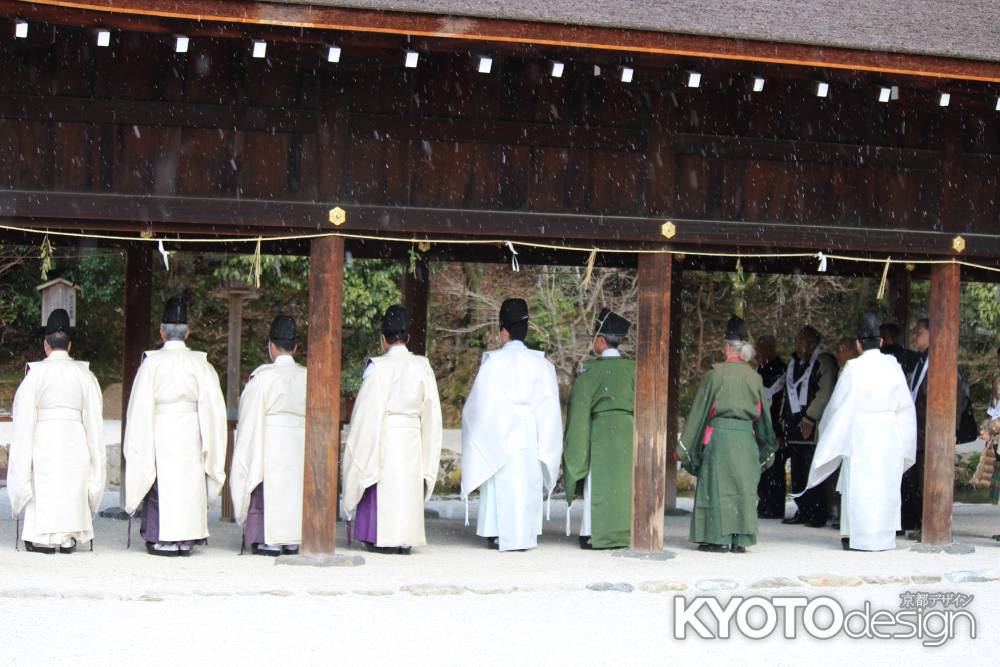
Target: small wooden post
322 453
416 294
138 323
899 301
649 459
237 294
673 387
942 390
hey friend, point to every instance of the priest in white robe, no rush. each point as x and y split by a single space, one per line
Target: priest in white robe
512 436
394 445
56 471
175 440
869 429
269 455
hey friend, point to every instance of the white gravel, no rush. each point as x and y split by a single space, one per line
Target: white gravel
454 601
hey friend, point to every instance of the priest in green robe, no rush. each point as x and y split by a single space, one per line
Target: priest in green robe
727 440
597 453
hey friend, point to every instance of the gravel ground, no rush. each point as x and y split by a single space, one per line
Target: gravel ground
455 601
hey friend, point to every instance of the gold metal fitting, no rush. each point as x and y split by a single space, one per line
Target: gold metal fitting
338 216
669 229
680 257
423 246
958 244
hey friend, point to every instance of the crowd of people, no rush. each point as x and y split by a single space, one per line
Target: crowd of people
850 424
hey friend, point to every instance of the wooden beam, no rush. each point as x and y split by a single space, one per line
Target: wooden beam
649 457
126 13
791 150
942 390
240 218
158 113
416 295
507 133
137 311
322 454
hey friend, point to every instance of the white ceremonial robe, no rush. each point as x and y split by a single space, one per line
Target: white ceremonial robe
270 448
175 435
57 467
869 427
395 443
512 443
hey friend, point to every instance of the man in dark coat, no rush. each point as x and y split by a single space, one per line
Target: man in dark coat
771 489
809 381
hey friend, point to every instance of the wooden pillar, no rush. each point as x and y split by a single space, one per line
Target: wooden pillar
138 323
673 387
649 459
942 390
416 294
322 452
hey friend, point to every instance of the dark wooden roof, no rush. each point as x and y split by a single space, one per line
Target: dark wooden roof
967 29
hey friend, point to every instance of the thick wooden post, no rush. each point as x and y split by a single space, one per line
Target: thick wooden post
416 294
649 459
322 455
138 321
673 387
942 389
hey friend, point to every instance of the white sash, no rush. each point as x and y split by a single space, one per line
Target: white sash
773 390
798 391
915 388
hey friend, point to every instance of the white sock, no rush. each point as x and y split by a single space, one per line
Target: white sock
68 543
160 546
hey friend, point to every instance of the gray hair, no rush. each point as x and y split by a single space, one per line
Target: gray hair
174 331
742 348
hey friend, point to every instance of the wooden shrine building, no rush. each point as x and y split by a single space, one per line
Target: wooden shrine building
868 130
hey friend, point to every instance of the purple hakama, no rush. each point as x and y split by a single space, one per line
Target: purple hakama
366 519
253 529
150 527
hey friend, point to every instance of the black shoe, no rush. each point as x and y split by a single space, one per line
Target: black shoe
288 550
714 548
493 543
259 550
794 521
738 549
845 543
184 553
586 542
404 551
69 549
768 515
900 533
153 551
996 537
34 548
381 550
816 523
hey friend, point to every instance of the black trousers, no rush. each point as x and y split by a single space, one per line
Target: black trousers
771 488
812 504
912 494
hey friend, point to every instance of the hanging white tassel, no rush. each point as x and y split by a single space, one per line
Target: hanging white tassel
821 256
514 264
589 271
569 531
165 253
466 511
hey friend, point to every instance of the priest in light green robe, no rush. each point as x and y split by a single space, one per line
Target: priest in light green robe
597 453
727 440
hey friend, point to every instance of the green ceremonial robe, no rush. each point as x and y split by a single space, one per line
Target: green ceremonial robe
728 438
599 440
